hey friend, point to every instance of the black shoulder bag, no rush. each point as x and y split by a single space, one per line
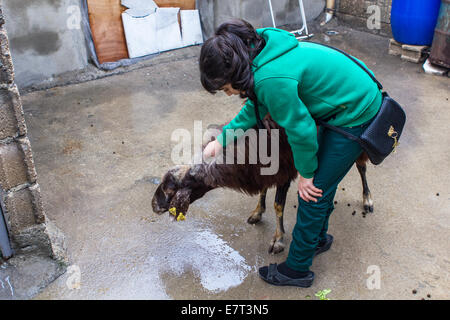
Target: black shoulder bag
381 137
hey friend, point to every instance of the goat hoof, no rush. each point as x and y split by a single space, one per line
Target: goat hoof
367 203
276 247
254 219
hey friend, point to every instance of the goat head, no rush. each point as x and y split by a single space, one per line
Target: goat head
179 187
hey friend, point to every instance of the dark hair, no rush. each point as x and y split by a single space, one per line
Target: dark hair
227 57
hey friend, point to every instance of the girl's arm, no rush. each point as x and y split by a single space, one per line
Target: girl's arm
244 120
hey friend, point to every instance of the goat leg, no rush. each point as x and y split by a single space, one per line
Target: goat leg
361 164
277 245
260 208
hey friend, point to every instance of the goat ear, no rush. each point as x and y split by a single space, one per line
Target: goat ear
180 203
159 201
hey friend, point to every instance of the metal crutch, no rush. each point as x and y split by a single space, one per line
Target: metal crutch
303 28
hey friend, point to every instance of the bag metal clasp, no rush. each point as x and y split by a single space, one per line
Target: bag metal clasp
393 134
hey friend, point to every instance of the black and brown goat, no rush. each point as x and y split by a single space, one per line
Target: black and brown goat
184 184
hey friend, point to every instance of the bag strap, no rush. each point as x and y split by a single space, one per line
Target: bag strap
380 87
258 119
339 130
321 122
354 60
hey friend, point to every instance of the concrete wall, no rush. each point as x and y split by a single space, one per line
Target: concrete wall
43 41
43 45
257 12
354 13
20 197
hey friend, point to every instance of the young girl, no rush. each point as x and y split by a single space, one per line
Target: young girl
296 83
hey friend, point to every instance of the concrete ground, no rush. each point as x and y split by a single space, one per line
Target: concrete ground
101 146
24 276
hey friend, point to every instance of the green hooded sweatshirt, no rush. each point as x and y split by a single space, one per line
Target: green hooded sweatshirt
298 82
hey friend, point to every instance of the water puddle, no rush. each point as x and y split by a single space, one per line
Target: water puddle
191 246
6 287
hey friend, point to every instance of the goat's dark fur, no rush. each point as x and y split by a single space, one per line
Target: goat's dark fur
183 185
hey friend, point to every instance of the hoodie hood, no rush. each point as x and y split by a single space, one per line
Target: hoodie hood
278 42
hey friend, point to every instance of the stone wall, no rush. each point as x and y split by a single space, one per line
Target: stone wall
29 229
355 14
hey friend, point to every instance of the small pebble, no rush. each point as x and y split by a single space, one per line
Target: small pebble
92 125
335 202
437 194
114 152
428 295
343 189
155 180
348 204
123 142
331 32
295 206
353 213
414 291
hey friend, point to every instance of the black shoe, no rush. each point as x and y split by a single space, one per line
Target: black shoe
324 245
271 275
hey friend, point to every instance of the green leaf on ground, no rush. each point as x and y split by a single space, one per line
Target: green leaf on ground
322 294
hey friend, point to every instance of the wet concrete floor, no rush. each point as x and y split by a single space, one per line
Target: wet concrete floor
101 146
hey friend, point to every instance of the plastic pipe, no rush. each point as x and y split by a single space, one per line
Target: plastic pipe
329 11
5 247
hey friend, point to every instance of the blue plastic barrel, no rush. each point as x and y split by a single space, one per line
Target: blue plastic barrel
413 21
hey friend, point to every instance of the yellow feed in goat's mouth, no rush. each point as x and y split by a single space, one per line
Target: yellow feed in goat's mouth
181 217
173 211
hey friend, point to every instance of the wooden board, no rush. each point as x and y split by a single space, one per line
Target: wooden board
183 4
107 29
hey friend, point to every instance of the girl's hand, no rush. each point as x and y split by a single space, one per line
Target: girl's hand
212 149
307 191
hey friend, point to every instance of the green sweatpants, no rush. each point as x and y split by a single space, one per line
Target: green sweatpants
336 156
